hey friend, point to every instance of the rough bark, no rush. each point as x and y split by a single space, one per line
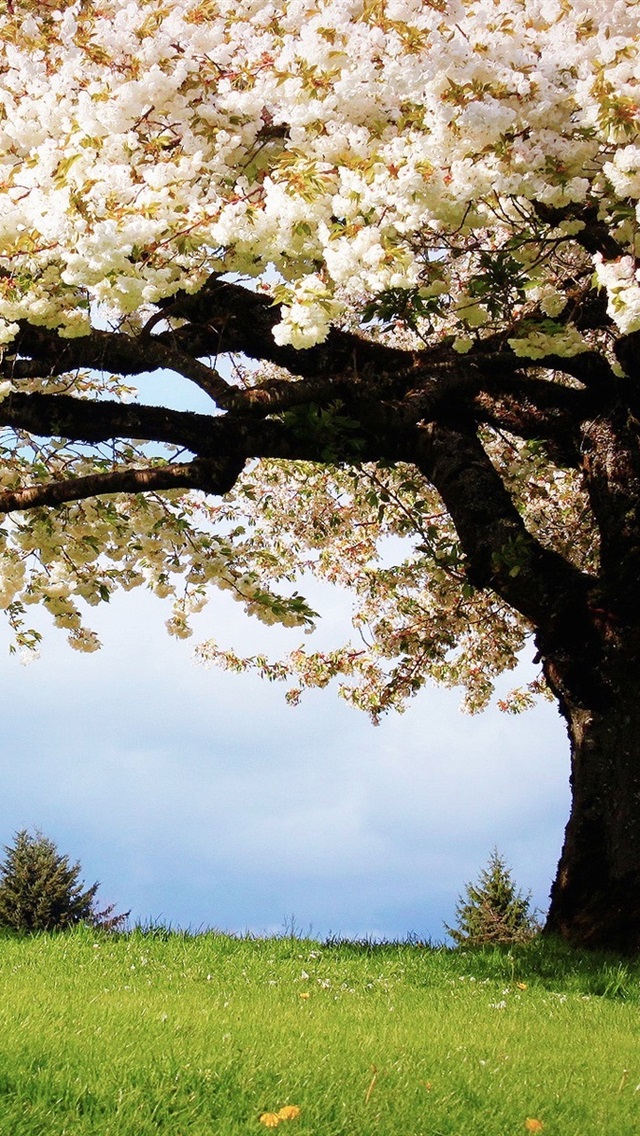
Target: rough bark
595 899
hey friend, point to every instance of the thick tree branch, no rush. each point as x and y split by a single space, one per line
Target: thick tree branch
594 237
611 463
526 407
78 419
209 476
536 410
346 366
502 553
588 367
234 436
225 317
111 351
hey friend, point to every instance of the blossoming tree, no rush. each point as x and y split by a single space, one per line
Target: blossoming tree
396 243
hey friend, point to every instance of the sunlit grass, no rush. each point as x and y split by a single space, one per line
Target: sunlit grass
152 1032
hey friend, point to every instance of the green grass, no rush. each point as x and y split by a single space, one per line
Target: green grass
166 1033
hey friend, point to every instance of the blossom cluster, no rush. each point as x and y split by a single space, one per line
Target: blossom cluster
621 278
414 620
77 556
143 145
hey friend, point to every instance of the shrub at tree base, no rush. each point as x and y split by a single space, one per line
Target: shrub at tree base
494 911
40 890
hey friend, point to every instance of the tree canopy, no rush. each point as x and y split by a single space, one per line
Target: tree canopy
395 242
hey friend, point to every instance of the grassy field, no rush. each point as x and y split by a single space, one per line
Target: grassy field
158 1032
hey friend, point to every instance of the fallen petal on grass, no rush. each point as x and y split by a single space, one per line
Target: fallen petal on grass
289 1112
273 1119
270 1119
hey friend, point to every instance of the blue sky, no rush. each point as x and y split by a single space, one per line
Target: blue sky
199 798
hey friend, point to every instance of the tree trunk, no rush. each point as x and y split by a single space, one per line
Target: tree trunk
595 899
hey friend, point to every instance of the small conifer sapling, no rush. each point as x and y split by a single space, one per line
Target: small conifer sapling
41 890
493 910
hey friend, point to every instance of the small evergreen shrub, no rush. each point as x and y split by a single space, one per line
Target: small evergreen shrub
40 890
493 910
